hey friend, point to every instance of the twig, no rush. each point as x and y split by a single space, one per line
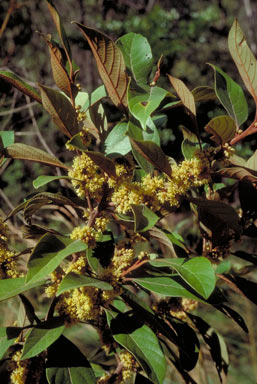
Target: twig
11 9
18 109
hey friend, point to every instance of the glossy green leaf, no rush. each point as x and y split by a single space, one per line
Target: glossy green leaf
7 138
137 55
74 280
153 153
144 218
141 341
27 152
110 64
222 129
60 109
143 103
43 180
49 253
8 336
171 286
230 95
199 274
21 85
86 100
41 337
117 142
12 287
67 365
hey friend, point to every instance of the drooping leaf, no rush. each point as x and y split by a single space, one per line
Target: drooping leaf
239 173
137 55
49 253
215 343
12 287
152 153
252 258
27 152
67 365
43 180
60 29
29 309
141 341
110 64
231 96
103 162
117 142
60 109
164 240
184 94
247 287
142 103
8 336
74 280
222 129
231 314
144 218
21 85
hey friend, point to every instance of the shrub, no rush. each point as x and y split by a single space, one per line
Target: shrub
123 269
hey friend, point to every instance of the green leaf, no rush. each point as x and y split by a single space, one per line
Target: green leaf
142 104
12 287
110 64
21 85
8 336
199 274
137 55
204 93
171 286
117 142
141 341
41 337
231 96
86 101
222 129
42 180
7 138
67 365
74 280
49 253
27 152
60 109
252 162
144 218
153 153
190 144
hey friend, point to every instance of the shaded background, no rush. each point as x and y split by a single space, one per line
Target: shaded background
187 33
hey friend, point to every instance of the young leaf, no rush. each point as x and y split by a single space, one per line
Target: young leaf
222 129
67 365
141 341
144 218
21 85
152 153
103 162
137 55
117 142
61 31
43 180
184 94
41 337
110 64
73 280
60 109
144 102
8 336
49 253
231 96
7 138
12 287
27 152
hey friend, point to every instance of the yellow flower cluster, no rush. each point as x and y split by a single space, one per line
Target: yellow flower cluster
26 371
19 368
87 234
176 307
90 179
121 260
80 304
8 263
129 365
